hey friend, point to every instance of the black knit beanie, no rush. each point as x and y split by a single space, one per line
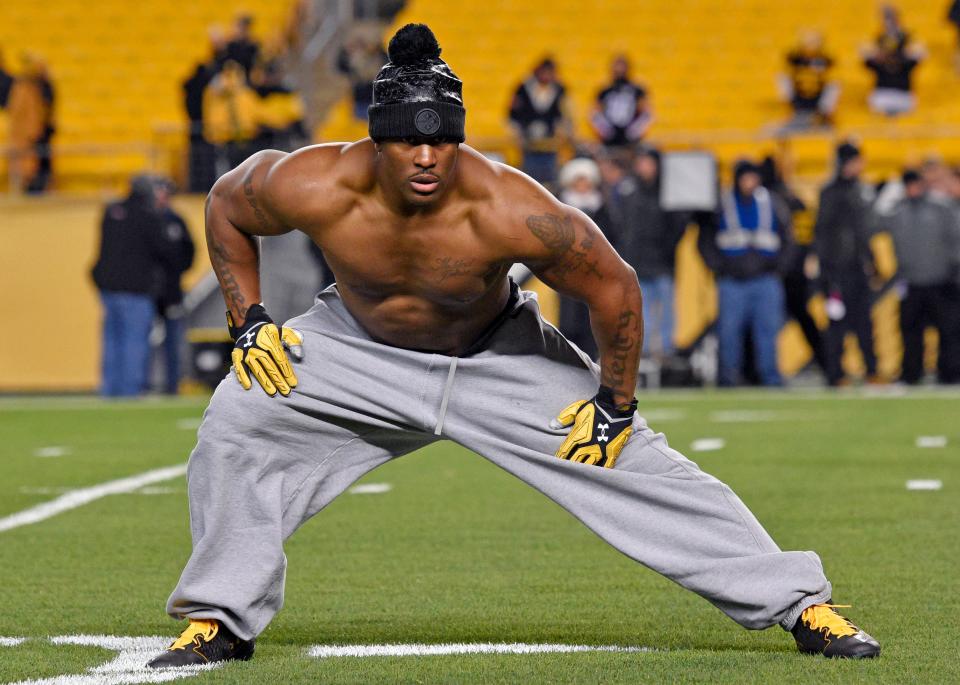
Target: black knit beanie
416 95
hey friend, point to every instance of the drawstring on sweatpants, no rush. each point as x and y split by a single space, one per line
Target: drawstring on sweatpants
446 395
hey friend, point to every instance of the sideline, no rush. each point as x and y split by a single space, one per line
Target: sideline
77 498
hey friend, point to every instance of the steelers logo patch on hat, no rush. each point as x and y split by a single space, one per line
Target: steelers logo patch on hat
427 121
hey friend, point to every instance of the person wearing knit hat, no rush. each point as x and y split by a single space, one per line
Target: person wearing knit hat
425 337
846 262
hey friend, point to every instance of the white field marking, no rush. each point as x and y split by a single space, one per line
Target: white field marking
329 651
52 451
662 415
932 441
189 424
924 485
157 490
789 395
127 668
77 498
11 641
370 489
708 444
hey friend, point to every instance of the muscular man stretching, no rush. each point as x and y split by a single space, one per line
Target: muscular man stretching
424 337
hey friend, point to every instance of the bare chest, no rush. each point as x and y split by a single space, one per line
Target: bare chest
443 261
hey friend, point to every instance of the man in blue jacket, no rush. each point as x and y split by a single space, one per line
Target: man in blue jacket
745 247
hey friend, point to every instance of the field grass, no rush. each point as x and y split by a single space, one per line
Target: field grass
458 551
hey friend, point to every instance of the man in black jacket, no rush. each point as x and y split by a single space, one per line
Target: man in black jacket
180 251
132 251
842 242
649 243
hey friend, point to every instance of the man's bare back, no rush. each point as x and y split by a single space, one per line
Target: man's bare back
428 277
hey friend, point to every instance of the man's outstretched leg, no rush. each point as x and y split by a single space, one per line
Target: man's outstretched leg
264 465
654 505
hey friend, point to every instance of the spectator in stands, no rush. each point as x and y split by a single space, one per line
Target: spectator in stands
580 188
6 83
621 115
649 244
893 60
807 86
360 60
202 156
926 237
541 122
797 287
30 105
936 178
747 246
179 251
280 110
243 48
230 116
953 16
132 252
953 189
846 263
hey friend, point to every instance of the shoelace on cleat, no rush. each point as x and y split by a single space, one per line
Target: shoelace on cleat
823 616
198 628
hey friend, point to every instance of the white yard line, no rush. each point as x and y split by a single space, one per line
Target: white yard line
77 498
52 451
924 484
370 489
708 444
328 651
11 641
931 441
128 667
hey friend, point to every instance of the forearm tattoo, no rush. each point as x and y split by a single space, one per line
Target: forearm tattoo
623 351
558 234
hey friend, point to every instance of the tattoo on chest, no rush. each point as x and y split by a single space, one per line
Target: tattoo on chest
558 234
448 267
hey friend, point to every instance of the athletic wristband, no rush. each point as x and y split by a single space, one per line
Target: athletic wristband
605 401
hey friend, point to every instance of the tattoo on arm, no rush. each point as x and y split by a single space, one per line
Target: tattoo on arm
251 198
220 258
626 340
558 234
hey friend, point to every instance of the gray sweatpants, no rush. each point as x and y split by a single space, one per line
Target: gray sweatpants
264 465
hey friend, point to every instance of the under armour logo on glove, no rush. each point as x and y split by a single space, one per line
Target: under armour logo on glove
260 348
596 421
248 337
603 428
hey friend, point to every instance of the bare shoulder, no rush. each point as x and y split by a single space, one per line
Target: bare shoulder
316 182
512 209
504 196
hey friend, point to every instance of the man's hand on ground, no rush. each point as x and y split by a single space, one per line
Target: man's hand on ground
600 429
260 347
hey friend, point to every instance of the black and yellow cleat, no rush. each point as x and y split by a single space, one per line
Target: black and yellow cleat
204 642
821 630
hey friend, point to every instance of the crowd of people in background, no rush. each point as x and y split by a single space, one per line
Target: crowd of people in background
764 276
145 247
238 101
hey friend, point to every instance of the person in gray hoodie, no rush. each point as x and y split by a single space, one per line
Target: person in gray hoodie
926 238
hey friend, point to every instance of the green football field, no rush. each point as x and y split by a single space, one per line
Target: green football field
445 549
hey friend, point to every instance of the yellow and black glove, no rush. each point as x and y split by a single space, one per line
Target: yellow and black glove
260 346
600 429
